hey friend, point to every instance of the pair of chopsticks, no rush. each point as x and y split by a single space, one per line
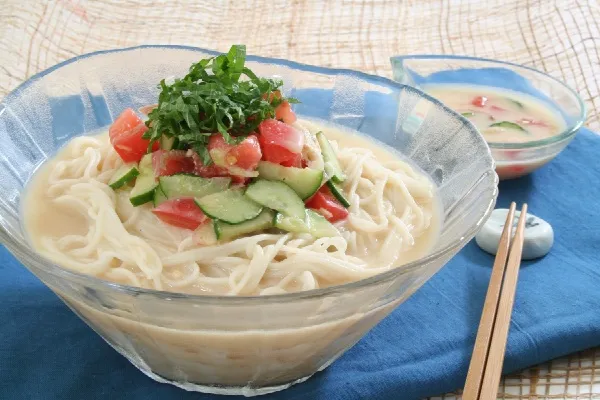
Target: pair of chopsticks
485 369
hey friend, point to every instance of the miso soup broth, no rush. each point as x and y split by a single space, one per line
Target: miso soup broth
502 116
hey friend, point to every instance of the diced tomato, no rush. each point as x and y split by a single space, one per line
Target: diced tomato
147 109
533 122
182 212
479 101
239 181
212 171
296 161
512 154
284 113
327 205
245 155
276 94
513 171
207 171
171 162
126 136
280 142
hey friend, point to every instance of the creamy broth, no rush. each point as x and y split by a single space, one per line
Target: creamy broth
368 245
502 116
199 347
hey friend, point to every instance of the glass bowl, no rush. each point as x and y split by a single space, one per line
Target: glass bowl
239 345
512 159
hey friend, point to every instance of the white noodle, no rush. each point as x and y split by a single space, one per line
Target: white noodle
391 206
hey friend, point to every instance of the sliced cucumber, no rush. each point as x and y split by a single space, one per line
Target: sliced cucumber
146 163
124 175
304 181
516 103
277 196
225 231
230 206
159 196
205 234
143 191
191 186
332 165
337 192
145 183
314 224
508 125
168 143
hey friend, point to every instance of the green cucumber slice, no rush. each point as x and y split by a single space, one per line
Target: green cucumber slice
143 191
338 193
225 231
168 143
304 181
231 206
146 163
125 174
205 234
313 223
159 196
516 103
145 183
191 186
277 196
332 165
508 125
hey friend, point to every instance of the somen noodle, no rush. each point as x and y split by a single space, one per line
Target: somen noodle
393 219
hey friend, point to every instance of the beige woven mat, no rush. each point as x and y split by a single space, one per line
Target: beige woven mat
559 37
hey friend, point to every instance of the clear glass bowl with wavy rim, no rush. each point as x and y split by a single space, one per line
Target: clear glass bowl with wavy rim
238 345
512 159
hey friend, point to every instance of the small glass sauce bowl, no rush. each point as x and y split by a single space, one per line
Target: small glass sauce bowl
512 159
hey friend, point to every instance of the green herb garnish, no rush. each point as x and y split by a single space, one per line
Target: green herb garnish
509 125
219 94
468 114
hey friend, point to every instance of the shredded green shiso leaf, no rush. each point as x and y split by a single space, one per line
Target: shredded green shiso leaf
219 94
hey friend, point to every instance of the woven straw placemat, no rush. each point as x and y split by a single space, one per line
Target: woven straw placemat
559 37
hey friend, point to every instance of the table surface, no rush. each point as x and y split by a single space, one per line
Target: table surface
561 37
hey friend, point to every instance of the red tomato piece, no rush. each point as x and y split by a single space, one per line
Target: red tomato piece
182 212
171 162
147 109
327 205
239 181
284 113
280 143
207 171
533 122
126 136
479 101
212 171
276 94
295 161
245 155
512 154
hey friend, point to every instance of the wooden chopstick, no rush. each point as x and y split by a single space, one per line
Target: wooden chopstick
488 354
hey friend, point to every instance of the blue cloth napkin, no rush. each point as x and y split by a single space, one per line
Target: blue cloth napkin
421 349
